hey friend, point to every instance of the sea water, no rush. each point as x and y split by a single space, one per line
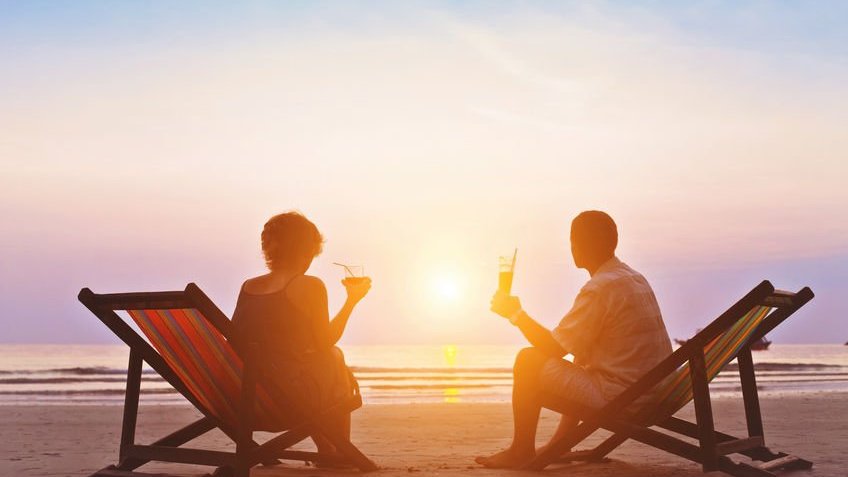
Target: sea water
96 374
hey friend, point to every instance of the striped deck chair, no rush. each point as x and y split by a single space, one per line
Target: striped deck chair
187 344
683 377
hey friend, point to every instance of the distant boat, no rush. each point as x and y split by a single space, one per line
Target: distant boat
761 344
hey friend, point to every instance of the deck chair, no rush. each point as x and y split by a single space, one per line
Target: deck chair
680 378
187 343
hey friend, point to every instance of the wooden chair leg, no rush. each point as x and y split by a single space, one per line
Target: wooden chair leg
244 437
175 439
610 444
748 379
703 411
130 418
131 397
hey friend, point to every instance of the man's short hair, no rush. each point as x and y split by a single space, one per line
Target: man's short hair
595 230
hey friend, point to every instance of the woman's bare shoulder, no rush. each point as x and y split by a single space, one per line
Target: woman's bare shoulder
260 285
307 293
307 285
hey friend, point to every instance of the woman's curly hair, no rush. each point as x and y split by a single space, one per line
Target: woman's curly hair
290 238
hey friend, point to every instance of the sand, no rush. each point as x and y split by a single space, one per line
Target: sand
428 439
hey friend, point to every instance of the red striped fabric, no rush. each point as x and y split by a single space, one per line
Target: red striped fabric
203 360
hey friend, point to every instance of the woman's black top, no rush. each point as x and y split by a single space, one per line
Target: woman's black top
287 345
274 324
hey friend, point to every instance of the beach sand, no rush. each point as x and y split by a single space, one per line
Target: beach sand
428 439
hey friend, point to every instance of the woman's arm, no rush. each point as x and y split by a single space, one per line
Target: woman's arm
310 296
338 324
355 292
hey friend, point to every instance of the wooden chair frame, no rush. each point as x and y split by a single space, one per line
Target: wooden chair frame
168 449
713 447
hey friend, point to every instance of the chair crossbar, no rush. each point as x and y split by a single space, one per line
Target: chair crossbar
181 455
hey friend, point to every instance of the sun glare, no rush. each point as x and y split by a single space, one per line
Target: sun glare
447 287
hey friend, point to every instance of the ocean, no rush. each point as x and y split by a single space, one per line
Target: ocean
95 374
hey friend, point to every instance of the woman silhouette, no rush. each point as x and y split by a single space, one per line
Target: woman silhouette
285 313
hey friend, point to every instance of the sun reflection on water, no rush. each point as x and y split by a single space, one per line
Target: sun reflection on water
451 394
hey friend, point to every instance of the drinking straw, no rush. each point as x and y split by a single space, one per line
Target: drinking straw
347 269
514 254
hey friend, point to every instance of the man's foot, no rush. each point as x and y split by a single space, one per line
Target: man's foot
506 459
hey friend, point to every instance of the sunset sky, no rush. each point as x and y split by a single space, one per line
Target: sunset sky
144 144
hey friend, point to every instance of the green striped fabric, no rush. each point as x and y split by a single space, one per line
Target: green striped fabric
675 391
204 361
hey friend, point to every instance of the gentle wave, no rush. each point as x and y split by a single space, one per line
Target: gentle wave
367 369
103 370
432 386
95 370
379 383
785 366
74 380
121 391
440 378
432 381
85 392
384 387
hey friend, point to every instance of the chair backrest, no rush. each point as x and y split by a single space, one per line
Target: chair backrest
675 391
203 360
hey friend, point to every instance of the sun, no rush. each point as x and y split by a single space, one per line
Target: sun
448 287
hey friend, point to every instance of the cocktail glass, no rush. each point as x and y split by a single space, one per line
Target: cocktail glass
353 273
506 268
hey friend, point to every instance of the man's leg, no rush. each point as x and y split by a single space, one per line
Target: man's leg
574 384
526 406
566 424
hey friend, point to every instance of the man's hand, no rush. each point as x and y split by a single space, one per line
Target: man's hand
505 305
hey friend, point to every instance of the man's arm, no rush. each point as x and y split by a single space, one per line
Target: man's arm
537 335
510 307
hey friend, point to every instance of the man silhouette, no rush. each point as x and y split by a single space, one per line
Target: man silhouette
614 330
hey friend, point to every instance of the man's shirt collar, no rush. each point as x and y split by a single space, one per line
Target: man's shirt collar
610 264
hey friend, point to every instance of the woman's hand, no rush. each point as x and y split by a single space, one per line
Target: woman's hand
357 288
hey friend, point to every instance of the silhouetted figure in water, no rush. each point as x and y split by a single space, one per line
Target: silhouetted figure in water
614 331
285 312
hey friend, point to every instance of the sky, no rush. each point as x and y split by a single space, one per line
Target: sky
144 144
